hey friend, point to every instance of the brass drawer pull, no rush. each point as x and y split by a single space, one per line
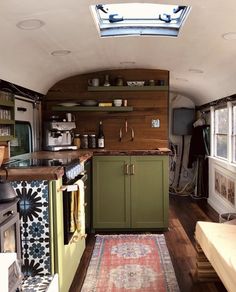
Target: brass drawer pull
132 169
126 169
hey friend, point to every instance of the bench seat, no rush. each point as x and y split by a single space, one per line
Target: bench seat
218 242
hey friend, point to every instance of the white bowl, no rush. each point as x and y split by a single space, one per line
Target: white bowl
117 102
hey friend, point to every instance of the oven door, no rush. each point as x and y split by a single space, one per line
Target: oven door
10 235
73 210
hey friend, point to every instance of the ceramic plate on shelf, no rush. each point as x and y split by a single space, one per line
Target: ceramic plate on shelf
68 104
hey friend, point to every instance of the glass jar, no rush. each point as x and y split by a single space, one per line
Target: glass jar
92 141
84 141
76 141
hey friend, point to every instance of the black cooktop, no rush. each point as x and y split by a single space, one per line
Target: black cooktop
25 163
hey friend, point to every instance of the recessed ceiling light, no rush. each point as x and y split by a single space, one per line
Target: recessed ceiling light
60 53
30 24
181 79
199 71
229 36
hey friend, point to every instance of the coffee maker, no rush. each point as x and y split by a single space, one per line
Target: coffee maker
59 136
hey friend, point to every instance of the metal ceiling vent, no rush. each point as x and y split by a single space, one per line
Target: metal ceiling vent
139 19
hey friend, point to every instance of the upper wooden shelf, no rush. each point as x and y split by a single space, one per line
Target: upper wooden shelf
6 138
128 88
7 122
9 103
93 108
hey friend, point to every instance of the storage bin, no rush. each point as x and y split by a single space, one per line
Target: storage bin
226 217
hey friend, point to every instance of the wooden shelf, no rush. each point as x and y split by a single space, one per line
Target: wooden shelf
93 108
128 88
7 122
8 103
6 138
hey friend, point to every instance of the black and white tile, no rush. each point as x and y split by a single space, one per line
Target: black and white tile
34 216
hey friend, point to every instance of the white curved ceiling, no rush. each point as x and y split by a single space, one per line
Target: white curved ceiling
26 60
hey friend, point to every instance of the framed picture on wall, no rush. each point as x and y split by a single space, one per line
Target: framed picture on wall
225 186
217 181
231 191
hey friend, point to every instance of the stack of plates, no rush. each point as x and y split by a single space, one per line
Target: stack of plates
68 104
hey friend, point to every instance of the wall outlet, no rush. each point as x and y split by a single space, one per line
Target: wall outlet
156 123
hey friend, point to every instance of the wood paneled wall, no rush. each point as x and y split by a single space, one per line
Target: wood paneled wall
147 105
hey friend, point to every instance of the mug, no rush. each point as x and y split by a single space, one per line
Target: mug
93 82
160 82
70 117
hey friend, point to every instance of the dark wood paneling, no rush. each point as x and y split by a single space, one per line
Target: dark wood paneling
147 105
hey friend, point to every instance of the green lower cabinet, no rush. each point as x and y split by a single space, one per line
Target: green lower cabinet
111 192
149 191
130 192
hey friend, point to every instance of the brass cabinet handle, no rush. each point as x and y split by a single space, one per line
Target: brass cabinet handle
132 169
126 169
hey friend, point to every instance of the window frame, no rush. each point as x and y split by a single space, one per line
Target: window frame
141 26
231 136
233 142
219 134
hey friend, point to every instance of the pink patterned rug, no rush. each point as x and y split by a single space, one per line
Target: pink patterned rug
131 263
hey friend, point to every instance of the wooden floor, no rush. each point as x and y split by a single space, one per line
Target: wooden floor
184 212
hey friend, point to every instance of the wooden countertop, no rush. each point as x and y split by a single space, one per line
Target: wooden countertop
56 172
44 172
161 151
81 154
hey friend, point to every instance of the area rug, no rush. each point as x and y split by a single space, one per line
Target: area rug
137 262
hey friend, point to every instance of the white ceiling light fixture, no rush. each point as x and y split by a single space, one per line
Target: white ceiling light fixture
30 24
60 53
229 36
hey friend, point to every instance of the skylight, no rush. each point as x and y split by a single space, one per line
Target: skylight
139 19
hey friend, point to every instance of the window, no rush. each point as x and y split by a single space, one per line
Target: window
221 132
23 136
139 19
234 134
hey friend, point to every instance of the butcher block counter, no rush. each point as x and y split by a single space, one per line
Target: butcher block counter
55 172
42 172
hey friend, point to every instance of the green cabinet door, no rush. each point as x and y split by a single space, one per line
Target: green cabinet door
111 192
149 191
